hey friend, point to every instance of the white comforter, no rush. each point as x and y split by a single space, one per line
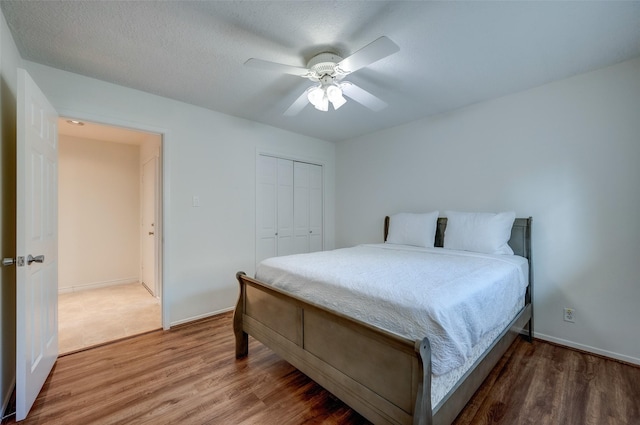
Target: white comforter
452 297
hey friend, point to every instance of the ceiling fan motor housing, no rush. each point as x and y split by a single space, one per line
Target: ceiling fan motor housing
324 64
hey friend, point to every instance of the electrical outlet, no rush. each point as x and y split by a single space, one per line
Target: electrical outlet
569 315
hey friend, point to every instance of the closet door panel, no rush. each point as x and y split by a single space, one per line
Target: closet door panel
301 206
266 207
315 208
285 211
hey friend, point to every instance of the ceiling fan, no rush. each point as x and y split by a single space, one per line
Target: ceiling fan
327 70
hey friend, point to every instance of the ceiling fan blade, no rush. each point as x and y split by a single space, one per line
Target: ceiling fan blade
298 105
372 52
279 67
362 96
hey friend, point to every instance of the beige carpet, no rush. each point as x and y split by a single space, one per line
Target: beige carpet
95 316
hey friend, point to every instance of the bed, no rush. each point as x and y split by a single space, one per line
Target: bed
385 376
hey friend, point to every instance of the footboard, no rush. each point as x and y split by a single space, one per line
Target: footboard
379 374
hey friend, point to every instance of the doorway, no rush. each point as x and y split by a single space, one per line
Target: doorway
109 221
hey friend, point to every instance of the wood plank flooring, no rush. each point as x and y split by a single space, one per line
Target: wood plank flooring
189 376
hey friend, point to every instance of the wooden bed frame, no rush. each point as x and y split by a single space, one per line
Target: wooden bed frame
383 376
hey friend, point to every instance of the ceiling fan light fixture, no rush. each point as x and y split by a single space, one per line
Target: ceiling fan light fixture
315 95
334 94
323 105
320 96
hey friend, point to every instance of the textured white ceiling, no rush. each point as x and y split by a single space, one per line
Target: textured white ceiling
452 54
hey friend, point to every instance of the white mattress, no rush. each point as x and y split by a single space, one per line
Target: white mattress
455 298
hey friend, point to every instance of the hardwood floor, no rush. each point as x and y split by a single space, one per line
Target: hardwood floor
543 383
189 375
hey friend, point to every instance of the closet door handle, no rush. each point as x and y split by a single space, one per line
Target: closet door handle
36 259
151 233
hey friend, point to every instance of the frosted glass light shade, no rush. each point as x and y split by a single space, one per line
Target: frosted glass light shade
334 94
323 105
315 95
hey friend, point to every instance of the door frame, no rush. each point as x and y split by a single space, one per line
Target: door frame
162 179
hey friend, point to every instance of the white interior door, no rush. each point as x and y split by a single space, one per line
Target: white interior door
149 248
37 236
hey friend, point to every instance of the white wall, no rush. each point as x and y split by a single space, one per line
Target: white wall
566 153
207 154
9 61
99 213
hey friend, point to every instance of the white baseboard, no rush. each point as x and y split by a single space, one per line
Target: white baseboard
201 316
95 285
598 351
7 398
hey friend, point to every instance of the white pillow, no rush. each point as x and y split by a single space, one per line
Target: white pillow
413 229
479 232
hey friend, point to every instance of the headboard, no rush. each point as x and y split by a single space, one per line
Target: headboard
520 240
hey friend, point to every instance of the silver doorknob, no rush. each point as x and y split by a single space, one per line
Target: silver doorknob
19 261
36 259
